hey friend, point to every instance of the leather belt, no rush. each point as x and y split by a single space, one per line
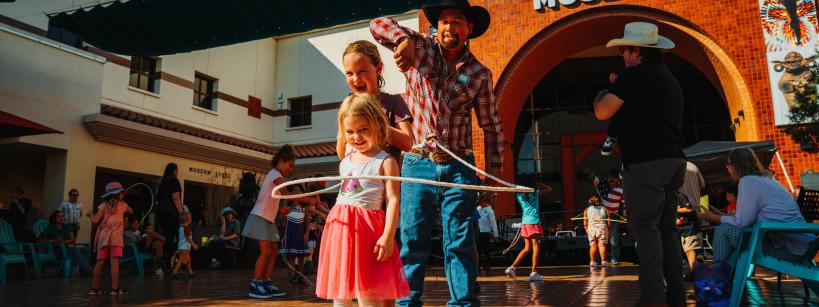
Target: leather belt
437 157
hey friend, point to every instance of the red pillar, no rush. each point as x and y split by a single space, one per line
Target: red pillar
567 155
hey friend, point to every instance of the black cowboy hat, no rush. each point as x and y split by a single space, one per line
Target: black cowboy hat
477 15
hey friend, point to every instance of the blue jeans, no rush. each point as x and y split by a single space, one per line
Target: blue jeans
614 241
418 206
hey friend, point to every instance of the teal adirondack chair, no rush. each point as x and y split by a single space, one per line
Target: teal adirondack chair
750 255
808 202
138 258
44 252
66 257
13 253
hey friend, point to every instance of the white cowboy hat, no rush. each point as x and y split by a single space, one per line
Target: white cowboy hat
641 34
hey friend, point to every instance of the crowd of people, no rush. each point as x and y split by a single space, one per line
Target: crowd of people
374 242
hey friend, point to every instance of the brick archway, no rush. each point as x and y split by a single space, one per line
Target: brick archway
594 27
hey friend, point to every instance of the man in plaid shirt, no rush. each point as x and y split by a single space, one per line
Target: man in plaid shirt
444 83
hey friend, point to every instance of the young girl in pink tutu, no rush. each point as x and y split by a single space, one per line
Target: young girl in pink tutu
358 256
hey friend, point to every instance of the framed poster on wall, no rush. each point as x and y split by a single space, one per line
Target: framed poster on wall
791 38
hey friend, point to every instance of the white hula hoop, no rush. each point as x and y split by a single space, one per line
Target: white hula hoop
334 188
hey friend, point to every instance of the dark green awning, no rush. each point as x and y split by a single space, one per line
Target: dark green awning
159 27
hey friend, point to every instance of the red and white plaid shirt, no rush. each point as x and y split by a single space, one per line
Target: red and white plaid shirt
441 98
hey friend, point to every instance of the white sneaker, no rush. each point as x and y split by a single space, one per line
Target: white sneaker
159 272
214 263
592 264
535 277
608 146
510 272
604 263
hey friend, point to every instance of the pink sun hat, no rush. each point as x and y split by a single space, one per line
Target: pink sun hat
112 188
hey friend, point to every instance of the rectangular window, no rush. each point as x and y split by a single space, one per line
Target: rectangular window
301 110
145 73
204 92
64 36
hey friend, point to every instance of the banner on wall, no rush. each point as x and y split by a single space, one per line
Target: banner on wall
791 39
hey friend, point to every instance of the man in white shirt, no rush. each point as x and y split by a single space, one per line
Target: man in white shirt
488 227
72 208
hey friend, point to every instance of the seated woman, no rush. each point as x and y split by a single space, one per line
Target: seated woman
57 232
228 236
760 199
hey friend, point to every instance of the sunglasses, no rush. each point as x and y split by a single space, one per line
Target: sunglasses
74 195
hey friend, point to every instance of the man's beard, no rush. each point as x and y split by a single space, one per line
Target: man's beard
450 42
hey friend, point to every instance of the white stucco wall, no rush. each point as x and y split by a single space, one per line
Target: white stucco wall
241 70
58 89
48 85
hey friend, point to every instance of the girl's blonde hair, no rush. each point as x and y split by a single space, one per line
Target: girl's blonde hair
365 105
112 200
369 50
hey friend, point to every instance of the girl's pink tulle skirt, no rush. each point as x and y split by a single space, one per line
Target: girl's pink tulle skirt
347 266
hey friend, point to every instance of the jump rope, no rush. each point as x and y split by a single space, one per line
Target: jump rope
151 208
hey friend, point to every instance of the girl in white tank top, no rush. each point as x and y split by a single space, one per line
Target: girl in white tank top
359 257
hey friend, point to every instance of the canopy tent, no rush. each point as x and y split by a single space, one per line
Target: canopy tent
15 126
711 156
160 27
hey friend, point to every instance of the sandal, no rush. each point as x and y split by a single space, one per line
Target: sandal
119 291
96 291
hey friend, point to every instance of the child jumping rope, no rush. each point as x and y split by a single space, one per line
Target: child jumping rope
110 219
530 229
596 223
358 257
260 224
